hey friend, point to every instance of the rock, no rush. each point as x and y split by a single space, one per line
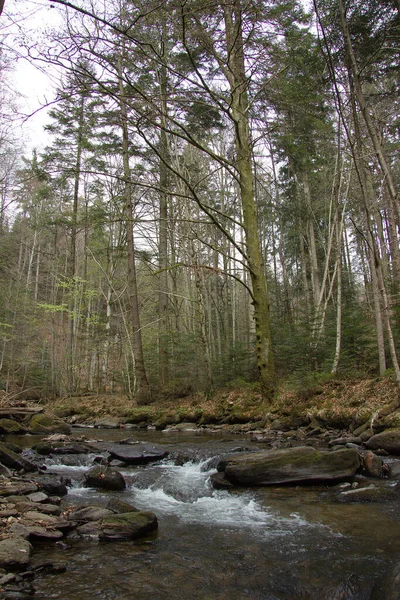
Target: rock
291 465
372 465
137 454
220 482
107 423
15 461
14 552
387 440
9 426
127 526
88 514
41 423
39 497
105 478
36 532
394 469
370 494
63 448
51 485
5 471
17 488
183 427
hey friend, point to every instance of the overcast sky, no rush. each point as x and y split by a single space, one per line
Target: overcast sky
23 22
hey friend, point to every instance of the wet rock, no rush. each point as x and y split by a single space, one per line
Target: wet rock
137 454
63 448
9 426
15 461
220 482
43 423
291 465
370 493
372 465
388 441
127 526
14 552
50 568
394 470
105 478
52 485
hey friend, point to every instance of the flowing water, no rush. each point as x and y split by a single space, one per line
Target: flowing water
283 543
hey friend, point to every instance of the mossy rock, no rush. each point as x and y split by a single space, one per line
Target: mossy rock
45 423
290 465
127 526
9 426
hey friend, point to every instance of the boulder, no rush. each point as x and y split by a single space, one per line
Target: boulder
291 465
137 454
388 440
51 484
372 464
220 482
9 426
105 478
127 526
42 423
15 461
14 552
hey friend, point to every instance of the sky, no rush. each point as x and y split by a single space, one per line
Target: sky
24 23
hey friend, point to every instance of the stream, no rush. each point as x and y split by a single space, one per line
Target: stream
284 543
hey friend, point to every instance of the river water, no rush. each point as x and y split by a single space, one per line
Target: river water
283 543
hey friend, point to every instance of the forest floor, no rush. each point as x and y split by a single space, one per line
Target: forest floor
342 404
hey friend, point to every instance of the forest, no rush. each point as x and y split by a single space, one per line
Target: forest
218 201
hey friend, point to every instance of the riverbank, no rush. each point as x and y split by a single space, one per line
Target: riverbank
340 404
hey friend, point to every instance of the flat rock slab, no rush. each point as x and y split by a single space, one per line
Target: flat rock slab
291 465
14 552
138 454
134 454
17 488
387 440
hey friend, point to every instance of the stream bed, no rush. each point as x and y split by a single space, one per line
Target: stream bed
282 543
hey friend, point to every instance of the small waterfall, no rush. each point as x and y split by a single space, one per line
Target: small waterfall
186 492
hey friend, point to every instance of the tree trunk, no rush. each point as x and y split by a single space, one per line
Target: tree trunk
239 114
142 388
